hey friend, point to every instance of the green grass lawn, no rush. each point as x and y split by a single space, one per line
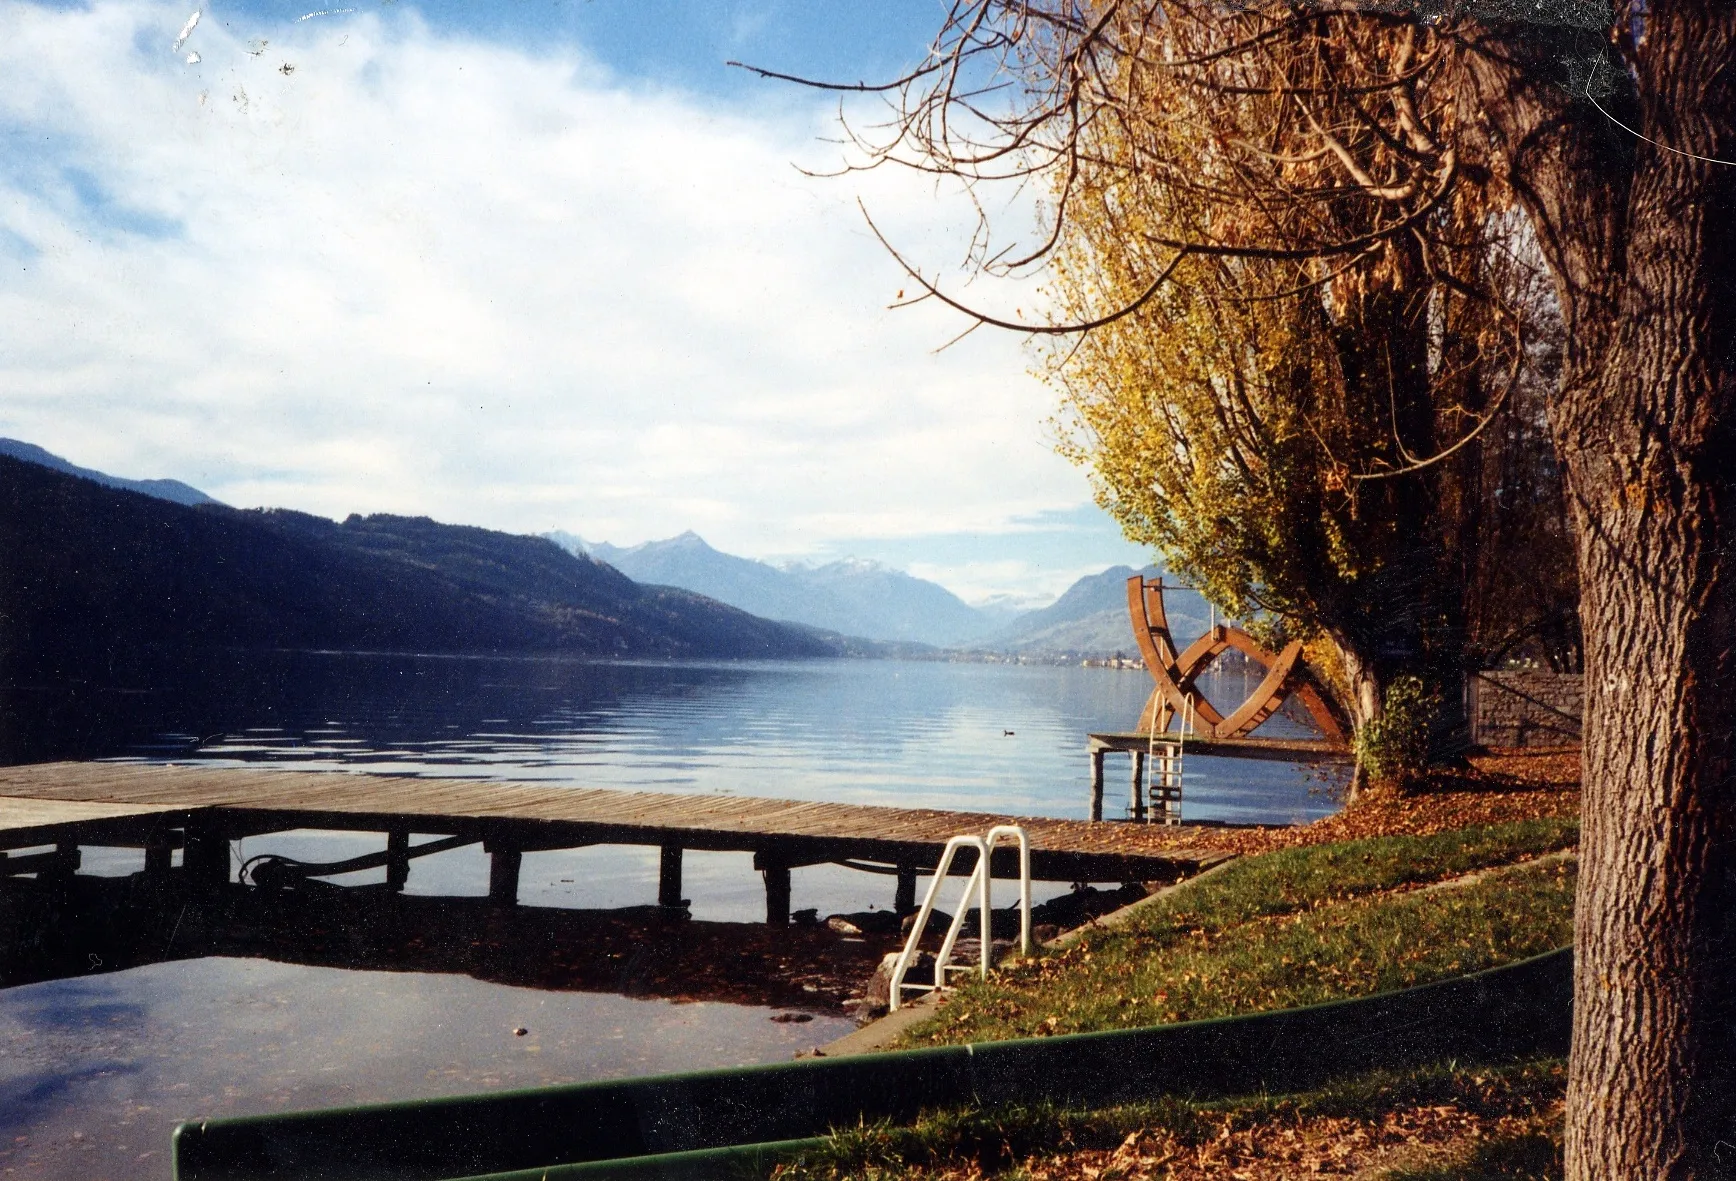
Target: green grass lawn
1273 931
1453 1123
1291 928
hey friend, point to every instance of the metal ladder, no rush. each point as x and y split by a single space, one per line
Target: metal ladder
1164 759
979 883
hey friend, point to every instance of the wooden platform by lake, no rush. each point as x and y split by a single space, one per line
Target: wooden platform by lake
1283 750
201 809
1139 744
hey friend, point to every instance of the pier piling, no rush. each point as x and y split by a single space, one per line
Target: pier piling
57 865
904 897
159 856
503 867
205 859
777 875
397 859
669 879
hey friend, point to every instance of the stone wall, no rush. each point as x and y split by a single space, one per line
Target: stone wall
1526 708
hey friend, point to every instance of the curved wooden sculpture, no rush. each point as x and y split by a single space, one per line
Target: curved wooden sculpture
1176 673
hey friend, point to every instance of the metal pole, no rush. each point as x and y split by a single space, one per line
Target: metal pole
1097 784
1136 792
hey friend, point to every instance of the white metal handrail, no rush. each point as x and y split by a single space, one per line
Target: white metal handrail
996 834
980 881
908 955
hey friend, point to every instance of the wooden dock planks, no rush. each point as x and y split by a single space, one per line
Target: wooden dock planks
31 821
1283 750
251 800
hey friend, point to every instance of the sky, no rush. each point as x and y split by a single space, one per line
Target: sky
538 265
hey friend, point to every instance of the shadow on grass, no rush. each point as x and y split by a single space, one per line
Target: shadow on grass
1527 1156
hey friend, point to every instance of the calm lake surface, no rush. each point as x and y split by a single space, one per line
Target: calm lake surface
94 1071
903 733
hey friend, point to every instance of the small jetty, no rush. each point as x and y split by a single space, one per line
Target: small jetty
200 810
1136 744
1179 719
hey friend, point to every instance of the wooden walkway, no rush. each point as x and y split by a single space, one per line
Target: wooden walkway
158 807
1283 750
1137 743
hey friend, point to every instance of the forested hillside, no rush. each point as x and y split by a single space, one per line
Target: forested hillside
97 582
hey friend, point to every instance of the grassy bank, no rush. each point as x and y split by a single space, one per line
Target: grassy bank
1292 927
1429 1125
1295 927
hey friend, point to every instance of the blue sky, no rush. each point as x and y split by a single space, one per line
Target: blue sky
676 43
539 265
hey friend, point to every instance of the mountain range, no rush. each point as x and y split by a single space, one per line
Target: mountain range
1090 619
98 581
502 592
867 599
852 597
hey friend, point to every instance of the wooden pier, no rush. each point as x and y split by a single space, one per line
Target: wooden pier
1137 743
200 810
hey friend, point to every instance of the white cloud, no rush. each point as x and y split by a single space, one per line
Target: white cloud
370 268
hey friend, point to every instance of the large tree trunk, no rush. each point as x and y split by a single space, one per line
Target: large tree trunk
1643 241
1404 615
1650 466
1655 932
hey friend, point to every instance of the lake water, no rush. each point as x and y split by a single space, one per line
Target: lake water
931 734
95 1070
1005 738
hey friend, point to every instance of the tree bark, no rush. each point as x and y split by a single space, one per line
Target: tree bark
1365 690
1650 1079
1642 241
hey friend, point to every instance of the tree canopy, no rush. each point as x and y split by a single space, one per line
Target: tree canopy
1356 145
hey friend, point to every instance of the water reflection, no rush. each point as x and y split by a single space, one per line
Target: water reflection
131 1005
926 734
86 925
126 1006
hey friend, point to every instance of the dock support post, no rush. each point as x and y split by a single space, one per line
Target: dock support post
66 862
159 856
669 879
503 866
904 897
1136 788
205 860
397 859
777 893
1097 784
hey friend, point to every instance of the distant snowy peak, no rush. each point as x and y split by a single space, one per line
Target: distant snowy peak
1001 610
862 597
842 567
855 596
686 540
